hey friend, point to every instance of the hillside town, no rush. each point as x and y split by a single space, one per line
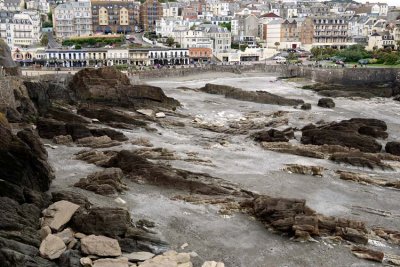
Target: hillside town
82 33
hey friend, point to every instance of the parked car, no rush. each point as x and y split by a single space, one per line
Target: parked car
364 61
339 62
280 60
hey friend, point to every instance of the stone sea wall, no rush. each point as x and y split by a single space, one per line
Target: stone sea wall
344 76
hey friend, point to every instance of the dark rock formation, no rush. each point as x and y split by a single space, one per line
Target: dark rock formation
106 182
257 96
49 128
6 61
393 148
306 106
110 222
110 116
77 131
113 134
274 135
21 164
346 133
360 160
71 197
326 103
111 87
138 167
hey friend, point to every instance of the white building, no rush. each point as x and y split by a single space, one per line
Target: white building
193 39
11 5
170 10
40 5
72 19
20 29
381 40
221 37
165 26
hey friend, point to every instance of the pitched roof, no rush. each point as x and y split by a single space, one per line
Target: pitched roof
270 15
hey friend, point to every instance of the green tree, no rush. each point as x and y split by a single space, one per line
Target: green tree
47 24
226 25
45 40
50 16
277 44
170 41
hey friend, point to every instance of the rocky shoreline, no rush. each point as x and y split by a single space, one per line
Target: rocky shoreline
96 114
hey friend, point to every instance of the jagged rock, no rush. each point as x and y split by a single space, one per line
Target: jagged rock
73 197
111 222
93 157
65 115
119 262
97 142
393 148
106 182
62 139
52 247
49 128
213 264
326 103
58 214
360 160
21 166
302 169
77 131
368 254
344 133
111 116
100 246
33 141
257 96
301 150
274 135
110 86
364 178
352 235
113 134
139 167
138 256
306 106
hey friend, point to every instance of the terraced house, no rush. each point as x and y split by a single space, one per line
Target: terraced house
115 16
72 19
150 12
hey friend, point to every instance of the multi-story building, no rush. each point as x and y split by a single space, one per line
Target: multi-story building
170 10
381 40
193 39
325 31
246 25
115 16
40 5
72 19
150 12
189 13
200 55
20 29
11 5
165 56
221 37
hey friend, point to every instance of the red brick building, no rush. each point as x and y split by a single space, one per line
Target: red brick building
199 54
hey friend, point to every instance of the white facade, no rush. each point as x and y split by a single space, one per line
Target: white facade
21 29
170 10
274 33
40 5
72 19
166 26
193 39
220 8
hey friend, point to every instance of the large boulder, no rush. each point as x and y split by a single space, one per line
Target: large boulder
52 247
113 134
77 131
326 103
58 214
6 61
110 86
110 222
347 133
100 246
393 148
50 128
33 141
